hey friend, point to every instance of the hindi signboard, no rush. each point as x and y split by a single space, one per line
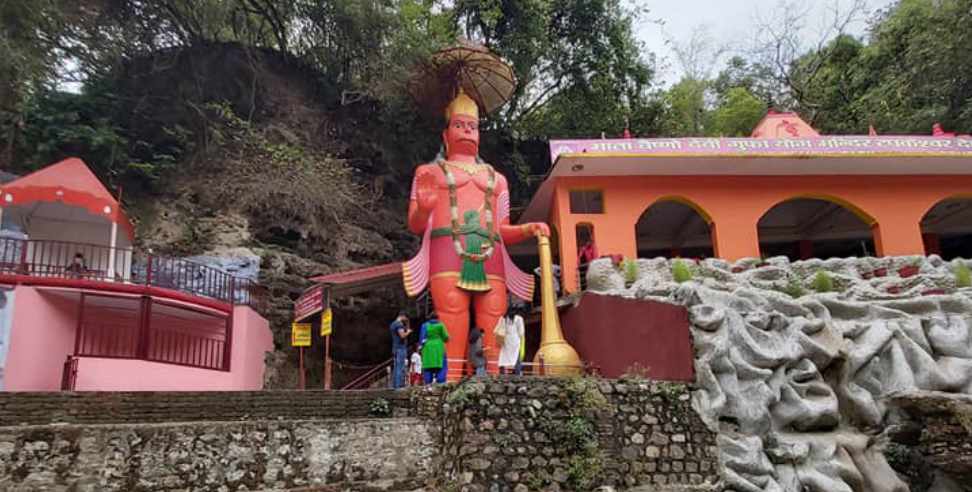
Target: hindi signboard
326 327
300 334
309 303
809 146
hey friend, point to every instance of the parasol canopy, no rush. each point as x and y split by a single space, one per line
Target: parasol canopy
483 76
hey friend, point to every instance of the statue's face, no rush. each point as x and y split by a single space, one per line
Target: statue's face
462 135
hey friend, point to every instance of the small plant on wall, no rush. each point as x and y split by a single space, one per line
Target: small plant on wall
822 282
630 269
963 277
681 272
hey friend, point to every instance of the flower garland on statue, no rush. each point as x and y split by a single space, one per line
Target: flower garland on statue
454 215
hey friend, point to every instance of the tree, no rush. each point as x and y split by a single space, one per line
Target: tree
566 54
686 110
736 115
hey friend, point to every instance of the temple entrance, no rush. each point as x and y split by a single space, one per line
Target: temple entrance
806 228
672 229
946 229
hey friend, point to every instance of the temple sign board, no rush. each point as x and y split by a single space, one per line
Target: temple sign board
300 335
326 325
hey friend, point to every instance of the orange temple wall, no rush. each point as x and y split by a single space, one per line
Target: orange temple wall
733 205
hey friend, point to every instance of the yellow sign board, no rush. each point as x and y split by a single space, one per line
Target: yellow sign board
326 322
300 334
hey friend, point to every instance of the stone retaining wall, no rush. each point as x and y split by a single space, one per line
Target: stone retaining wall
222 456
148 407
540 434
502 434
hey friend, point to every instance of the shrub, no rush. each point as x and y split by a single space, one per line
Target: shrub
630 269
379 407
822 282
963 277
681 272
793 288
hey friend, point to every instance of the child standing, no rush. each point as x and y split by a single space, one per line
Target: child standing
415 374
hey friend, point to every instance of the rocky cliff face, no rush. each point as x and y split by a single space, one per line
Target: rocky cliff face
794 379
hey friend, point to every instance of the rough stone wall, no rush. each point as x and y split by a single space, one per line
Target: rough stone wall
145 407
793 379
938 426
207 456
529 434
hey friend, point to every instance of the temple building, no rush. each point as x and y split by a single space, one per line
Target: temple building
786 190
81 309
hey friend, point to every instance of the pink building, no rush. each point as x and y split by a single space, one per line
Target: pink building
81 309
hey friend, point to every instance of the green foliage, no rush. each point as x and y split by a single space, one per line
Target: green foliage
670 390
577 436
737 114
909 75
793 288
463 394
685 109
630 269
681 272
379 407
963 277
823 282
585 395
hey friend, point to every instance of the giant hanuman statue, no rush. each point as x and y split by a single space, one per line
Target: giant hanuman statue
461 207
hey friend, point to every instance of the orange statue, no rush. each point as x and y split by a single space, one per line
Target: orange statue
460 205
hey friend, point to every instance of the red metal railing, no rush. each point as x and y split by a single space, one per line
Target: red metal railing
368 379
61 259
152 330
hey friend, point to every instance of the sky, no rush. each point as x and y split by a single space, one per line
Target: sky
728 23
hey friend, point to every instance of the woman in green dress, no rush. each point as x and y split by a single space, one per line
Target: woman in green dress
434 353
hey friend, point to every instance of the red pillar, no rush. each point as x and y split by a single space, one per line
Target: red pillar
806 249
932 242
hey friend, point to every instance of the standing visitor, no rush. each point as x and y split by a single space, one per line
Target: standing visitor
587 253
399 335
415 374
434 353
511 357
518 326
477 357
423 335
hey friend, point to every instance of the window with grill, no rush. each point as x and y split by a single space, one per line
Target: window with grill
586 202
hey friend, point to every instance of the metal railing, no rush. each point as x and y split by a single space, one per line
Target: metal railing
62 259
152 330
369 378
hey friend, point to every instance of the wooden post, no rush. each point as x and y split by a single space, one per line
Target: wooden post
301 383
327 362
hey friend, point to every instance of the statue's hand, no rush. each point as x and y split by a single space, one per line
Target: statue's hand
538 229
426 193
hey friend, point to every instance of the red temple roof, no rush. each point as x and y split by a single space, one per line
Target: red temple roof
362 279
70 182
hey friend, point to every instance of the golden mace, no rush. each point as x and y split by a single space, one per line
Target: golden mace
558 357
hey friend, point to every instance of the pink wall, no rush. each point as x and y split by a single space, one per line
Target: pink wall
41 337
251 339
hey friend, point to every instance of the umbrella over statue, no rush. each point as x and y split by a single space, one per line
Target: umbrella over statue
468 66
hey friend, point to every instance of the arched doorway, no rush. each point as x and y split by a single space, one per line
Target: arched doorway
805 228
946 228
673 228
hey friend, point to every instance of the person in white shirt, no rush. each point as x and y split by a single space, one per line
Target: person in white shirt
511 353
415 378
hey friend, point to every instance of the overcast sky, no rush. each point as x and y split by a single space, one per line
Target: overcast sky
728 23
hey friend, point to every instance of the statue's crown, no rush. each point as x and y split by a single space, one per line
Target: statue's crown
463 105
